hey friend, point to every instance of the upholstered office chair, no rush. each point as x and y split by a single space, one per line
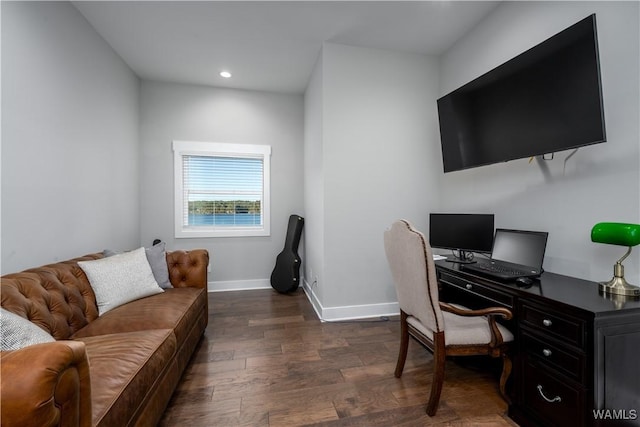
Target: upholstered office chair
445 329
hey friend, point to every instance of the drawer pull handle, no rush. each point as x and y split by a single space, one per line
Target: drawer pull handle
554 400
546 352
547 322
469 286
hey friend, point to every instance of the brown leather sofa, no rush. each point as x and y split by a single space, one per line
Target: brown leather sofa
119 369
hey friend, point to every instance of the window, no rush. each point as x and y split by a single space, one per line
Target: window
221 190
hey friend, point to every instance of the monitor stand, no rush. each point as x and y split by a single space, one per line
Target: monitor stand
463 258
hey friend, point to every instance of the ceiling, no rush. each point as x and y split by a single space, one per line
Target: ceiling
268 45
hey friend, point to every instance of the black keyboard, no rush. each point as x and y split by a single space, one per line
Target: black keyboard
500 269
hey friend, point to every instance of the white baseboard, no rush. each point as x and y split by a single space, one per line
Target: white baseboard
313 299
326 314
349 312
238 285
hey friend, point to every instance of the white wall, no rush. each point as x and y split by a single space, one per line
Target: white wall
314 249
379 163
69 138
200 113
74 181
601 182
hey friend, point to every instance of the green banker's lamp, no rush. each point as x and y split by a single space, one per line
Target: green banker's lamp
615 233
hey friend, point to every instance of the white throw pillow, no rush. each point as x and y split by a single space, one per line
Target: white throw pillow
157 257
18 332
119 279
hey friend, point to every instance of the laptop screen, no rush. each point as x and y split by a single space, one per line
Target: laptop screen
520 247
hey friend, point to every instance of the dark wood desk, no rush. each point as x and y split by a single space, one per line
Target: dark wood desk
576 350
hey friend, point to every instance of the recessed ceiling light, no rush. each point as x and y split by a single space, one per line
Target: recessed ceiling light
225 74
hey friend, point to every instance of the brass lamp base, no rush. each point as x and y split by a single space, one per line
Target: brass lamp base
619 286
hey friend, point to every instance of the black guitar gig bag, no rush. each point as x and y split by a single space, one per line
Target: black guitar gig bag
286 274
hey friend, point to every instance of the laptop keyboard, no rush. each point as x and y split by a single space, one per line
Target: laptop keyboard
494 268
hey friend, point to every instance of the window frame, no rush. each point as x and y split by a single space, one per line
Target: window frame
220 149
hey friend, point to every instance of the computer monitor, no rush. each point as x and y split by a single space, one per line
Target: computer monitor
461 232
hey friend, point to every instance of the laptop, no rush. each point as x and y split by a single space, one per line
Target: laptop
515 253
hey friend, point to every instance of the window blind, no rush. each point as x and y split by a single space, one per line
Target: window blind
222 191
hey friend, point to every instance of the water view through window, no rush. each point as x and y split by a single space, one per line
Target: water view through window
224 220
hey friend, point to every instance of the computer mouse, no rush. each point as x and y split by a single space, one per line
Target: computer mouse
524 281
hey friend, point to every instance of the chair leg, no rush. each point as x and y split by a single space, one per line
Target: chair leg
506 371
404 344
439 358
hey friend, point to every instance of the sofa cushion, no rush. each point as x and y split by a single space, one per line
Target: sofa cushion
18 332
175 308
119 279
124 370
157 257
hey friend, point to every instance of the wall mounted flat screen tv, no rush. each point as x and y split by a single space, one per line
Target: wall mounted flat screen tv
461 232
545 100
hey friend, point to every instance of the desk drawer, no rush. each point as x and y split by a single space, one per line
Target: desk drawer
550 398
570 363
563 327
492 296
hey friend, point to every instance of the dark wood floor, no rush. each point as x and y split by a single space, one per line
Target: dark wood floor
266 360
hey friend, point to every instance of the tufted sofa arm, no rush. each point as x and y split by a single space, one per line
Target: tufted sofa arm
188 268
54 391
